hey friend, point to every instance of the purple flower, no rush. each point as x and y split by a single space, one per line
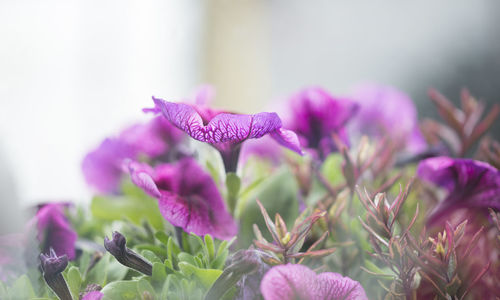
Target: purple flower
387 111
54 230
94 295
469 183
291 281
316 115
187 197
226 131
102 167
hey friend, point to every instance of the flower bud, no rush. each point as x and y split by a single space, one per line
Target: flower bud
117 247
52 267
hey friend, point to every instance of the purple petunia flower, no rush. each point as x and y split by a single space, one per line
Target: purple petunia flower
226 131
102 167
291 281
470 184
54 230
187 197
316 115
387 111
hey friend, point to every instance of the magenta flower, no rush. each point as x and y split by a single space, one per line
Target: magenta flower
287 282
470 184
187 197
54 230
316 115
387 111
102 167
226 131
94 295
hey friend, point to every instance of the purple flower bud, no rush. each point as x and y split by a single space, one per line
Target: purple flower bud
117 247
287 282
52 267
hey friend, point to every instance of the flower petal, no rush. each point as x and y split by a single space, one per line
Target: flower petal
469 183
291 281
54 230
225 127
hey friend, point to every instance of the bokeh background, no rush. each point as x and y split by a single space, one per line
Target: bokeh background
74 72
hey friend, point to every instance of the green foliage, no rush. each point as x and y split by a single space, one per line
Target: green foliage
278 194
134 206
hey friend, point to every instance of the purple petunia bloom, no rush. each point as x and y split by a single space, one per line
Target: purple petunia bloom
54 230
470 184
291 281
187 197
226 131
102 167
316 115
387 111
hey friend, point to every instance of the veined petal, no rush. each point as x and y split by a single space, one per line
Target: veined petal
291 281
187 197
223 127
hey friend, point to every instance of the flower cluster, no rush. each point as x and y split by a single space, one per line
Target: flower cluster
365 203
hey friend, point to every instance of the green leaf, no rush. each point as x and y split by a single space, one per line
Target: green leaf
134 209
125 290
332 169
144 288
74 280
150 256
22 289
157 250
98 274
159 272
162 237
206 276
186 257
209 243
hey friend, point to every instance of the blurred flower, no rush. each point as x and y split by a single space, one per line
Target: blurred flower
94 295
299 282
102 167
470 184
117 247
316 115
11 256
54 230
387 111
52 267
187 197
226 131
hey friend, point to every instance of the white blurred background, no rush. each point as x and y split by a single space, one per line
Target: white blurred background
74 72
